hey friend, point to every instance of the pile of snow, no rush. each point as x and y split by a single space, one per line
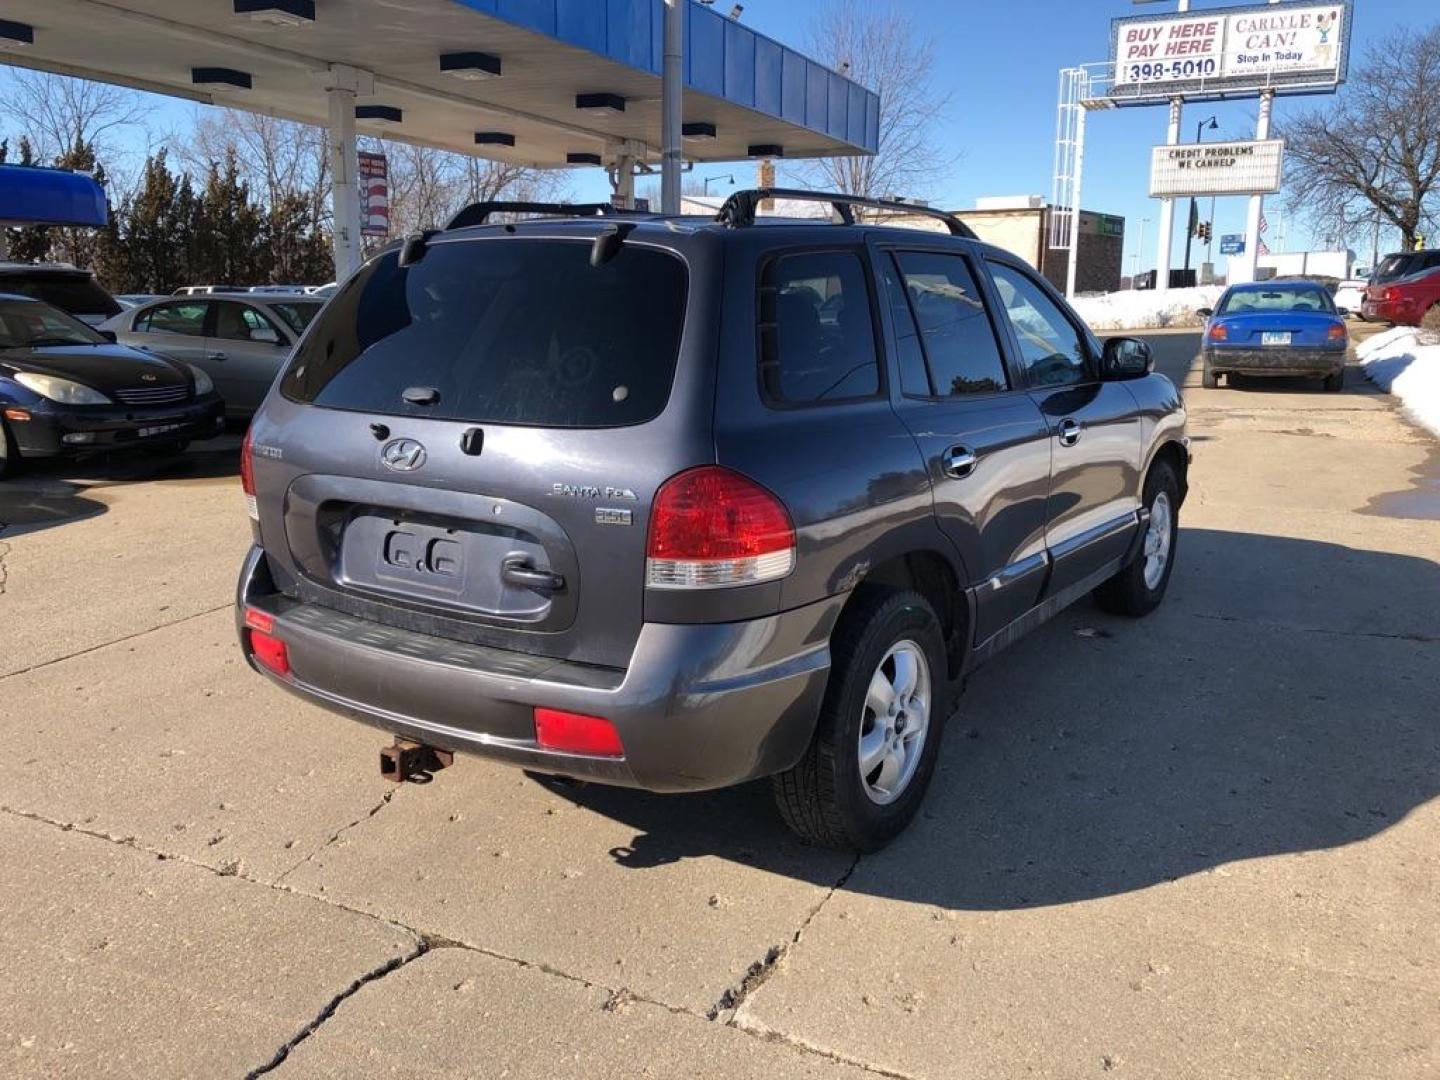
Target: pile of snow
1145 309
1406 362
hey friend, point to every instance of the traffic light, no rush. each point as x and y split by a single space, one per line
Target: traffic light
1204 231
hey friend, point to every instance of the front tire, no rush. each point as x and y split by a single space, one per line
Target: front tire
10 462
1208 379
1138 588
875 746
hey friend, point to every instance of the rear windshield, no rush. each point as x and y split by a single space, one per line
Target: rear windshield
507 331
78 294
1284 298
1396 266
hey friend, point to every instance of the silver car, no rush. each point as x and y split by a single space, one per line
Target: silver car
241 341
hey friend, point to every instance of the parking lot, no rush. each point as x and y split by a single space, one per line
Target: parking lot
1206 844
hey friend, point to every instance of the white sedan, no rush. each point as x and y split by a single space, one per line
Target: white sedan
1350 294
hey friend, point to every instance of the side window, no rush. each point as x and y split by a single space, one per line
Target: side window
1051 348
817 332
955 330
914 373
240 322
186 318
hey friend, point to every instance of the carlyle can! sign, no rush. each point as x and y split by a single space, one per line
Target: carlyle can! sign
1290 47
1232 168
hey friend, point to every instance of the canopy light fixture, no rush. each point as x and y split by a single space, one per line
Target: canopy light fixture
277 12
699 132
494 138
218 76
601 104
470 66
767 150
15 35
379 114
584 159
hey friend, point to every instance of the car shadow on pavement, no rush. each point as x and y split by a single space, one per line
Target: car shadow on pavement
1101 755
51 493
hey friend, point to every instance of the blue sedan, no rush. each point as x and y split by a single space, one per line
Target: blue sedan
1275 328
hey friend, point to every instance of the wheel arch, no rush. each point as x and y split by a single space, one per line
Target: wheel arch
935 576
1175 454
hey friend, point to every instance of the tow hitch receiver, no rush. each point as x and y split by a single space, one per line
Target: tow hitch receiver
409 762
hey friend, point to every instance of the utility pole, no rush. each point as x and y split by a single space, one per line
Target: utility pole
673 106
1214 125
1167 206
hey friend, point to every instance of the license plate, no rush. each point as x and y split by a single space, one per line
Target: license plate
159 429
1275 337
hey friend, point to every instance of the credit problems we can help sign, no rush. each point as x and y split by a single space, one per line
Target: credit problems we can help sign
1229 168
1224 50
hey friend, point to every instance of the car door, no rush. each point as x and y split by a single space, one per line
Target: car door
984 439
246 349
175 328
1094 427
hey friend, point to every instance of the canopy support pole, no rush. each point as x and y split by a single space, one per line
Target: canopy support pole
342 85
673 106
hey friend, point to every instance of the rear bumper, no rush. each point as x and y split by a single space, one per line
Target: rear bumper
699 707
112 427
1396 311
1275 361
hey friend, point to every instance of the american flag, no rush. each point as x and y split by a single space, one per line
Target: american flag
1264 228
1264 248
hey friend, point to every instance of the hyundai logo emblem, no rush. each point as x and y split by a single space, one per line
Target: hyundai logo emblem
402 455
148 378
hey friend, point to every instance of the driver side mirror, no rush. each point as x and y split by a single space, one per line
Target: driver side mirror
1126 358
265 334
1344 312
109 335
1205 312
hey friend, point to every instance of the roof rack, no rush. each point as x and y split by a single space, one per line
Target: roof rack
479 213
739 210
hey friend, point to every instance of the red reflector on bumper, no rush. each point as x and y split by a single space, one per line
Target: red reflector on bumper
259 620
270 652
577 734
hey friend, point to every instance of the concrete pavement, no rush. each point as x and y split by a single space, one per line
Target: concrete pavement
1204 844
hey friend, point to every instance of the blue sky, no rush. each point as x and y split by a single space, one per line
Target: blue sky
1000 62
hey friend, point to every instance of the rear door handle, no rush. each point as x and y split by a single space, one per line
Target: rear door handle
959 462
216 356
1069 432
519 571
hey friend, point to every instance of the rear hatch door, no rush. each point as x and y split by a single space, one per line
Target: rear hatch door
467 445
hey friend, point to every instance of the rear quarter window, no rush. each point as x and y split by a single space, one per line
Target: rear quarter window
508 331
78 294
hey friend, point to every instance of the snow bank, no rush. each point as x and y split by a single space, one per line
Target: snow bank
1144 309
1406 362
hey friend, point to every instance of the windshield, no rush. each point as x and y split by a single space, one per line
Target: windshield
75 293
501 331
297 315
25 324
1280 298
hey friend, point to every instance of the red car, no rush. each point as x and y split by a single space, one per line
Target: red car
1403 301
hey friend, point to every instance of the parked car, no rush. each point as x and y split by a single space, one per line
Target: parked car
1404 301
1349 295
208 290
293 289
1403 264
677 503
72 290
1275 328
67 389
240 341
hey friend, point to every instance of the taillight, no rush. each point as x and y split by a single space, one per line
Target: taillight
1337 332
711 528
247 476
575 733
1390 295
1219 332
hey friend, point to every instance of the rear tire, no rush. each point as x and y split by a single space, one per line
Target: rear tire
10 462
1335 383
1208 379
1138 588
887 677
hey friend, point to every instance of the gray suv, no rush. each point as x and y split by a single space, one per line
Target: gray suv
678 503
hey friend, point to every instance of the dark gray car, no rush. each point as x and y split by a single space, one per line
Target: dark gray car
681 503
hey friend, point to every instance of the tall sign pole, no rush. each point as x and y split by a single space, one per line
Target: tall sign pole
1167 206
1246 268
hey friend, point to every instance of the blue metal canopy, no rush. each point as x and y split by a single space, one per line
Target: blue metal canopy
31 195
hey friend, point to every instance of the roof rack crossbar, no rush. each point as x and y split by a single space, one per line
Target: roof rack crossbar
740 209
479 213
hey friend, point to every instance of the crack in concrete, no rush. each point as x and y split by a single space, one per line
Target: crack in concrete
731 1001
1423 639
384 802
374 975
4 572
115 641
618 998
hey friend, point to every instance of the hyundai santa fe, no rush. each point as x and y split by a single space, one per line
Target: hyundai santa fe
679 503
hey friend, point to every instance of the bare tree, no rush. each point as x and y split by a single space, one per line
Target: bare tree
280 160
58 113
882 47
1376 149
